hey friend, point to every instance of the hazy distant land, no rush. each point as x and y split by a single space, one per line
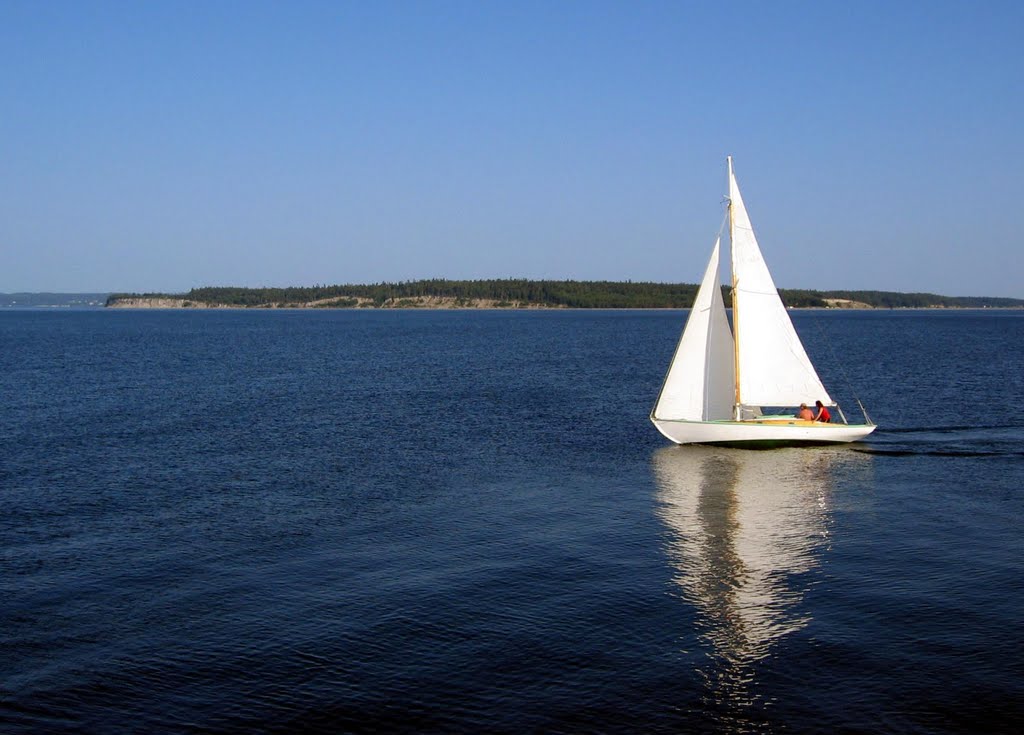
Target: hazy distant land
524 294
53 300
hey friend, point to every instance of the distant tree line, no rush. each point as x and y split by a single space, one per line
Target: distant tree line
571 294
894 300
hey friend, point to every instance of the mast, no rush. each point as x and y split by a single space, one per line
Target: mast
735 304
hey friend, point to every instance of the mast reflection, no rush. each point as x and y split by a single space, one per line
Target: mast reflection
744 529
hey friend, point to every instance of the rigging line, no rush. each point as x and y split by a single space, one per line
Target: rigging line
725 218
718 238
839 364
759 293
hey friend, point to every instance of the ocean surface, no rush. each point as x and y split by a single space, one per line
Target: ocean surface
414 521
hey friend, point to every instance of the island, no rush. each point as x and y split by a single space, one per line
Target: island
522 294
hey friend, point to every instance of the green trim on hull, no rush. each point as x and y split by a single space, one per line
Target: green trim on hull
767 444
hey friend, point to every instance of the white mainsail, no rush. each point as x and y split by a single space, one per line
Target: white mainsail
700 381
772 365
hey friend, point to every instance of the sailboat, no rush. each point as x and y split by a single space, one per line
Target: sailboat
741 385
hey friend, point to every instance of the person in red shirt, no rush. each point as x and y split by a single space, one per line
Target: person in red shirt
822 414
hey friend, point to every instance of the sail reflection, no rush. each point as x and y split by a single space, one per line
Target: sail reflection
744 529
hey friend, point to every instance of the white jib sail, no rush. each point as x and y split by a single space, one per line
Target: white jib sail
773 366
700 381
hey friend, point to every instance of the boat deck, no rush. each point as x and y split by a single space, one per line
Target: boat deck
783 421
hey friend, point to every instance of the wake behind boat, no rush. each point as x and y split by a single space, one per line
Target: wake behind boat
731 385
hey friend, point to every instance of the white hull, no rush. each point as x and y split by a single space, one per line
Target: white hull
753 433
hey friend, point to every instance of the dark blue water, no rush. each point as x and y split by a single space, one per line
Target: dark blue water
464 521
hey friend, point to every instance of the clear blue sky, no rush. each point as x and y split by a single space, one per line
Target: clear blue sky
164 145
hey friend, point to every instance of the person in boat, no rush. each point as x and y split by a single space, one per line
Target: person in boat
805 413
822 414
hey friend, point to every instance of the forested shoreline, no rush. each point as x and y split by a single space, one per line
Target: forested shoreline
523 293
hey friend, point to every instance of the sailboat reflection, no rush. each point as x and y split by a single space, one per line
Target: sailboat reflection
744 529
